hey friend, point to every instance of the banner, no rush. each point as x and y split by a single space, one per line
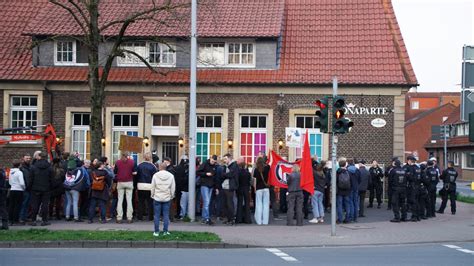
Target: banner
279 170
293 137
306 168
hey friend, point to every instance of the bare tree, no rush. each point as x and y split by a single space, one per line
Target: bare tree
85 14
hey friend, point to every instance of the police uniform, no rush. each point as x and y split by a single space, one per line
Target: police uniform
388 169
398 182
449 177
375 186
423 199
432 174
412 191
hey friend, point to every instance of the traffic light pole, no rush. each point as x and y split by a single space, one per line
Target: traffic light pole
333 173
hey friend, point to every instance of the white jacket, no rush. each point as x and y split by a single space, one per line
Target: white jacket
162 186
16 180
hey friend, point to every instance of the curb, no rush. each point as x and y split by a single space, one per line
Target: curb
119 244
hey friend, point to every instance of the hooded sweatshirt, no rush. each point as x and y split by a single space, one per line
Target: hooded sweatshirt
41 176
17 182
162 186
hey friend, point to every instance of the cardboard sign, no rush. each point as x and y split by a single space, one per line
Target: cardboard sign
130 144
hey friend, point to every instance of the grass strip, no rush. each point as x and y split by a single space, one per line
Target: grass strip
78 235
465 199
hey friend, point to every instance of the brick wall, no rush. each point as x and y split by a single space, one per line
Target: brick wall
364 141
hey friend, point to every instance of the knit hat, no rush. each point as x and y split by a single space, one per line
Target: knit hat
71 163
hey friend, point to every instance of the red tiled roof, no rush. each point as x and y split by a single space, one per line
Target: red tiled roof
454 117
359 41
217 18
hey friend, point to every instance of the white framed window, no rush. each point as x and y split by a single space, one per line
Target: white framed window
80 132
123 124
316 143
415 105
209 136
253 136
231 54
156 54
468 160
65 52
455 158
23 111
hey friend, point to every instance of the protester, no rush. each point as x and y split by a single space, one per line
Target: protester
57 189
363 185
84 194
243 194
343 192
182 185
73 184
145 172
294 197
449 177
262 192
124 171
206 173
317 198
3 199
162 191
355 181
17 186
25 205
230 184
100 187
41 178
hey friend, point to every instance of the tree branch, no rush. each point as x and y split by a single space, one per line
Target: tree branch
81 12
121 51
78 21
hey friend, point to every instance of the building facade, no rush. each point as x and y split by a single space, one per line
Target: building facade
256 77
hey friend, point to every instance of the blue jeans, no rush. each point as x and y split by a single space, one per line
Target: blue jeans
25 205
206 193
72 201
347 206
317 204
92 206
183 203
262 206
355 204
165 207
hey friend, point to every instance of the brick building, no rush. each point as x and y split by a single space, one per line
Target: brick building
419 102
459 149
266 70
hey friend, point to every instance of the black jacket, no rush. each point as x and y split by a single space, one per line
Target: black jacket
319 180
41 176
26 170
232 175
398 178
433 175
182 176
364 179
376 175
202 171
449 176
294 182
341 192
244 179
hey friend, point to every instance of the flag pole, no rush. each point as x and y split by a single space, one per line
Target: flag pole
333 170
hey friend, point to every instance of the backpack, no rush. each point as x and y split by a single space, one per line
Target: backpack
344 181
98 182
73 180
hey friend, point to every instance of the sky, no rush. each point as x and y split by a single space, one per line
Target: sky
434 32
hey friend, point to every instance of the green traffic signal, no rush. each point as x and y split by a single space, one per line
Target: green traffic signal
322 113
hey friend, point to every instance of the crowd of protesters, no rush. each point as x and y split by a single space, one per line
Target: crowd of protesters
228 191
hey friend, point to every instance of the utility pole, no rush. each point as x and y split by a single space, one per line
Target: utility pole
192 114
445 133
333 172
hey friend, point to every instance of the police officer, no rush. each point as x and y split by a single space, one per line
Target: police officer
432 174
375 184
398 182
423 198
449 177
413 172
388 169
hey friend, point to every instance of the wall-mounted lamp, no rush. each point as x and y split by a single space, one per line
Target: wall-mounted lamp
181 142
230 143
146 141
103 141
280 144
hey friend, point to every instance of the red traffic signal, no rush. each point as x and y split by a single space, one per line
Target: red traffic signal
321 104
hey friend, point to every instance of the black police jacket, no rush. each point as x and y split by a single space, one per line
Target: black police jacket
398 178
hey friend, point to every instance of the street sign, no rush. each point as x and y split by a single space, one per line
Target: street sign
468 52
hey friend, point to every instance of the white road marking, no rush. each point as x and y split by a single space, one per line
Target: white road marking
281 254
465 250
460 249
451 246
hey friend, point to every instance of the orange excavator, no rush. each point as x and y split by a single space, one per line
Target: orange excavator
31 133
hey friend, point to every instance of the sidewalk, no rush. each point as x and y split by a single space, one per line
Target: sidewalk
372 230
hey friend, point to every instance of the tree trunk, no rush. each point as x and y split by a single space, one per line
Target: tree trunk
95 86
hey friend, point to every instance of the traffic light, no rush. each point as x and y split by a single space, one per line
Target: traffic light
341 124
322 113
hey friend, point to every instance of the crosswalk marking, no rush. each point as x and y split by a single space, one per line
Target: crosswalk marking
460 249
281 254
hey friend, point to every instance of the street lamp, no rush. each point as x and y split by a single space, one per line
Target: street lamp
146 141
280 145
102 141
230 143
181 142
